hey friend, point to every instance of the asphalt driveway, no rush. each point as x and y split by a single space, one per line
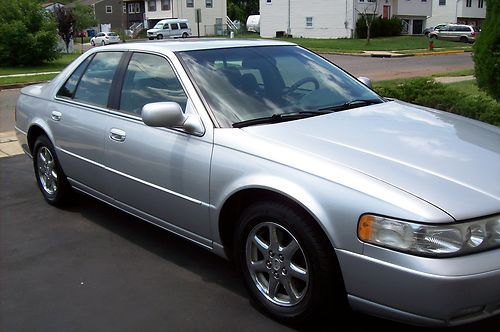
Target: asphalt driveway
91 267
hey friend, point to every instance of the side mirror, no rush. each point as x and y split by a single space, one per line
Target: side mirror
169 114
366 81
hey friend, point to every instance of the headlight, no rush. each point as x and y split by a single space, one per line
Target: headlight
430 240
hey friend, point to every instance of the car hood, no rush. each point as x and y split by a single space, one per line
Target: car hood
447 160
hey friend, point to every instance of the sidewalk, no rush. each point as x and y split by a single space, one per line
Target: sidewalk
9 146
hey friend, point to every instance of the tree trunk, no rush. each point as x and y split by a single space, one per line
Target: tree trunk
368 28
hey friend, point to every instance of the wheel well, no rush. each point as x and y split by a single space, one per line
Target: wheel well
236 204
33 133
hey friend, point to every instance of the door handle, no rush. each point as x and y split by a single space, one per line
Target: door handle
56 116
117 135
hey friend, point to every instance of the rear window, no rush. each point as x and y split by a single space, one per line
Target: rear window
183 25
476 29
112 34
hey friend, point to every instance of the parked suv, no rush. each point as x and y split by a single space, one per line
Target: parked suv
457 32
170 28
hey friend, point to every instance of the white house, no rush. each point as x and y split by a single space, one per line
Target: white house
470 12
311 19
337 18
213 14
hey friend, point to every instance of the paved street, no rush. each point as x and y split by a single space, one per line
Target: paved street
90 267
391 68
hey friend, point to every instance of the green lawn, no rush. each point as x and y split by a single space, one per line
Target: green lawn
56 65
401 43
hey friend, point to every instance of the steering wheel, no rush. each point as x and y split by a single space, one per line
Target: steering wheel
301 82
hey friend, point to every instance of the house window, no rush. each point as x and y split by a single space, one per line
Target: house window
137 7
109 9
165 4
190 3
268 1
152 5
130 8
480 4
423 0
468 3
124 9
442 2
208 3
309 22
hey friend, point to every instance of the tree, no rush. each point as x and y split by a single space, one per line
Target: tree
84 17
369 13
65 18
28 35
487 51
241 9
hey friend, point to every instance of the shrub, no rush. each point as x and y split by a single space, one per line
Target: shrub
28 35
381 27
487 51
427 92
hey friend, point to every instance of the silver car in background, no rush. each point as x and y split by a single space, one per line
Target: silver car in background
322 192
456 32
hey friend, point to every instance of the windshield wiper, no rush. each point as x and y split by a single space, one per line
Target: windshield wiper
279 117
351 104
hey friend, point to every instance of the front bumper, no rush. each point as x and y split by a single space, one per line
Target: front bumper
420 290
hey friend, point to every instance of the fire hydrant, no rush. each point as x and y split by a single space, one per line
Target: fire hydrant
431 45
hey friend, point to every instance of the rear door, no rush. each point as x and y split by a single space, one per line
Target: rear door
159 173
78 119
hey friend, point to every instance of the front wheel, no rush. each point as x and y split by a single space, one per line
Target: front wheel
159 36
286 262
49 176
433 36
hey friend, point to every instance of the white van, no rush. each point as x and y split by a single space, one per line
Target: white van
253 23
170 28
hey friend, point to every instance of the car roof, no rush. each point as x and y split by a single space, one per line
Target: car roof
191 44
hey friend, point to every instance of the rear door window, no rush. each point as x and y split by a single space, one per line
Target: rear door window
68 89
95 84
174 26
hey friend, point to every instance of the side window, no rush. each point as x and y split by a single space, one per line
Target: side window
149 79
183 25
165 26
68 89
174 26
96 81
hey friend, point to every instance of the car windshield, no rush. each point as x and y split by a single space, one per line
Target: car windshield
247 83
158 26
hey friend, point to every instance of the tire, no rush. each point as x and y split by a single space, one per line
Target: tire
49 175
300 265
185 35
103 43
464 39
92 43
159 36
433 36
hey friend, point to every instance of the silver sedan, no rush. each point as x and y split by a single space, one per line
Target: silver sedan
322 192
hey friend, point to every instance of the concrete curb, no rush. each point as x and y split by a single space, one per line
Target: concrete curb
440 52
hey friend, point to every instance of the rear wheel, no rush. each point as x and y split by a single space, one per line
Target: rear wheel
92 42
103 43
185 35
286 263
49 175
464 39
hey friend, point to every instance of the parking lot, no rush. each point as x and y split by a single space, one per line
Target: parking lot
90 267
